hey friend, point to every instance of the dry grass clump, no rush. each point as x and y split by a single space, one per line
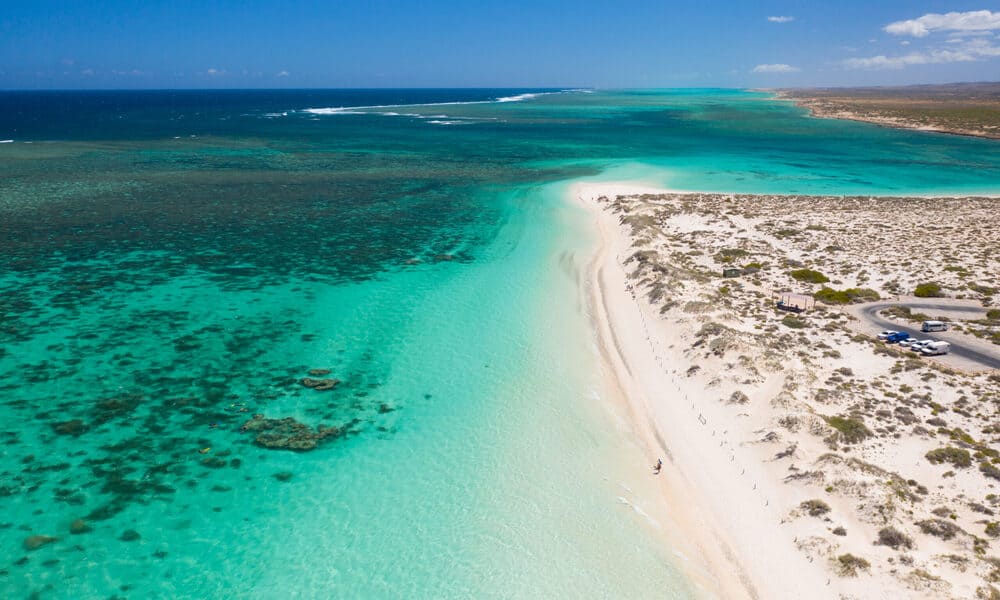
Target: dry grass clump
849 565
815 508
894 538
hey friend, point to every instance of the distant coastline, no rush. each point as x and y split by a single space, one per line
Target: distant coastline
959 109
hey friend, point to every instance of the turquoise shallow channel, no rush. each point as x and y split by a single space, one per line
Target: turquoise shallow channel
175 263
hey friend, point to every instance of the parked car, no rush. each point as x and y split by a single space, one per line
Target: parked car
886 334
907 342
899 336
916 346
936 348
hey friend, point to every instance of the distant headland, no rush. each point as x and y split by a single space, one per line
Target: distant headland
958 108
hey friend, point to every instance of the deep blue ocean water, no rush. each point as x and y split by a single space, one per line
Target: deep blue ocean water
174 263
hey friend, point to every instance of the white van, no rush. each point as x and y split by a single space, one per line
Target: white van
934 326
935 349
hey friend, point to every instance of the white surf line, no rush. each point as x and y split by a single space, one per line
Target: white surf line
503 99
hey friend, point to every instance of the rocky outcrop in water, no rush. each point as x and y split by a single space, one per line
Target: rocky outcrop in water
33 542
79 526
130 535
74 427
287 433
320 385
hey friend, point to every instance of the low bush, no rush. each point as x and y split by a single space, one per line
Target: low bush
939 528
989 470
809 276
993 314
794 322
832 296
851 429
949 454
848 565
863 294
728 255
738 397
993 529
815 508
927 290
894 538
901 312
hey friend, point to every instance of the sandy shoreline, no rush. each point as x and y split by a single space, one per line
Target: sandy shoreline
719 511
727 467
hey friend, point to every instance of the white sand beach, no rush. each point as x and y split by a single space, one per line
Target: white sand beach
771 495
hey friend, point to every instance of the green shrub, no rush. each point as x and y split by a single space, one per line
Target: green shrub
982 289
809 276
949 454
728 255
902 312
832 296
863 294
927 290
993 314
851 429
993 529
848 565
794 322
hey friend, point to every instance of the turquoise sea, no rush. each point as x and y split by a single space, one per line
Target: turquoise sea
175 263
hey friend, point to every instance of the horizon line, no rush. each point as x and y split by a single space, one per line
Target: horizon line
477 88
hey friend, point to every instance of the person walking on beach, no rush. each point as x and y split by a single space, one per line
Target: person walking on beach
658 466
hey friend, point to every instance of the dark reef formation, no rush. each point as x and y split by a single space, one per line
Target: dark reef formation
288 434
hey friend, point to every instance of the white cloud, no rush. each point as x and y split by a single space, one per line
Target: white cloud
282 73
781 19
776 68
973 20
213 72
914 58
967 51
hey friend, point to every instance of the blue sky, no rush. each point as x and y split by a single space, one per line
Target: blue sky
392 43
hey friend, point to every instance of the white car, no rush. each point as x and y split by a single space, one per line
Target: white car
907 342
886 334
917 345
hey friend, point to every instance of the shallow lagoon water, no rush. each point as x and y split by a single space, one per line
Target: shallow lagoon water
159 289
